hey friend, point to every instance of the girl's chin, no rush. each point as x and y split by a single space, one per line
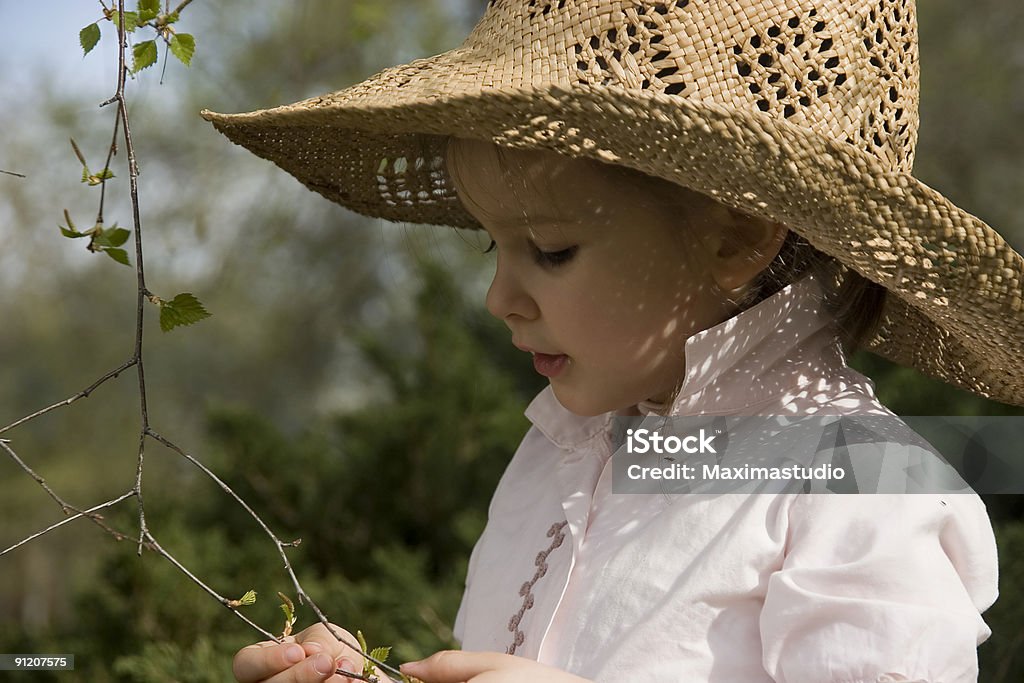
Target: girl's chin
587 406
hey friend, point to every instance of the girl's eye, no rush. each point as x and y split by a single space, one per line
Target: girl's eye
554 258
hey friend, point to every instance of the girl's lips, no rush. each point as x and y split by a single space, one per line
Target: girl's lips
549 365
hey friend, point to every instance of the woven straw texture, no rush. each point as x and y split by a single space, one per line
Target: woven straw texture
800 112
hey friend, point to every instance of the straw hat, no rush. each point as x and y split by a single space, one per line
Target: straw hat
799 111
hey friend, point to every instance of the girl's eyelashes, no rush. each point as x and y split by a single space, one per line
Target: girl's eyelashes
543 258
554 259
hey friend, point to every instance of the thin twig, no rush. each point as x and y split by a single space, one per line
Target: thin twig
65 507
19 175
84 393
111 153
146 538
300 591
133 173
133 186
84 513
6 445
152 543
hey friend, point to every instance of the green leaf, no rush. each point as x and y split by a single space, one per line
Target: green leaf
183 46
96 178
111 237
70 233
121 256
185 309
143 55
89 36
248 599
288 607
148 10
380 653
131 20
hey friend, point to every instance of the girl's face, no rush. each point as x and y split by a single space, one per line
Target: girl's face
598 276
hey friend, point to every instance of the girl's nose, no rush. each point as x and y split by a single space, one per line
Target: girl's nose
507 297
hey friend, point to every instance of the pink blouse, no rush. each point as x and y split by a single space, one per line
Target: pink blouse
790 588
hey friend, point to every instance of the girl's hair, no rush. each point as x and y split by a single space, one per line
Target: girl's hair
855 302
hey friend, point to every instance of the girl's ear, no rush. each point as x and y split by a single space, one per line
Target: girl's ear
742 248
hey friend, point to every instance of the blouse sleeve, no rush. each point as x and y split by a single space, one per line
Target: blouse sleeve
879 588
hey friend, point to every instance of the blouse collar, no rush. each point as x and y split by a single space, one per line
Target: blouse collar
778 347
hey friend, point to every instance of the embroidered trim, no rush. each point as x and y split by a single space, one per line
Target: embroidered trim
556 536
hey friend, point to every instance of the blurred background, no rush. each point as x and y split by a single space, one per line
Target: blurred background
305 389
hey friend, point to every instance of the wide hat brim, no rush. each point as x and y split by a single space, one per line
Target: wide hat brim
955 309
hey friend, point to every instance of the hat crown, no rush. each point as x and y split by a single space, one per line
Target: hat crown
846 69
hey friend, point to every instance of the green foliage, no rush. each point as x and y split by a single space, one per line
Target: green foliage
388 500
88 177
183 46
104 240
249 598
288 607
89 36
143 55
148 10
380 653
130 20
183 309
1001 656
167 661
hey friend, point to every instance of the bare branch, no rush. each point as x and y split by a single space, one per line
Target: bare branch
6 445
146 539
152 544
133 185
300 591
19 175
84 393
183 5
111 153
91 512
65 507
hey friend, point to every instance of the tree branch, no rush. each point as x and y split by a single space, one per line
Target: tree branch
91 513
84 393
146 539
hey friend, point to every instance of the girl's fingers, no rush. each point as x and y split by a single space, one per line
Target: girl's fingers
454 666
319 636
261 661
309 656
283 664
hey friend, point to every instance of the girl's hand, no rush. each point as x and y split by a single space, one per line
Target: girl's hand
453 666
311 656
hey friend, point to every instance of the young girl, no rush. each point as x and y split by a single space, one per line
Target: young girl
695 206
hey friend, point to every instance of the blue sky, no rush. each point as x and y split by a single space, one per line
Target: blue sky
36 39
